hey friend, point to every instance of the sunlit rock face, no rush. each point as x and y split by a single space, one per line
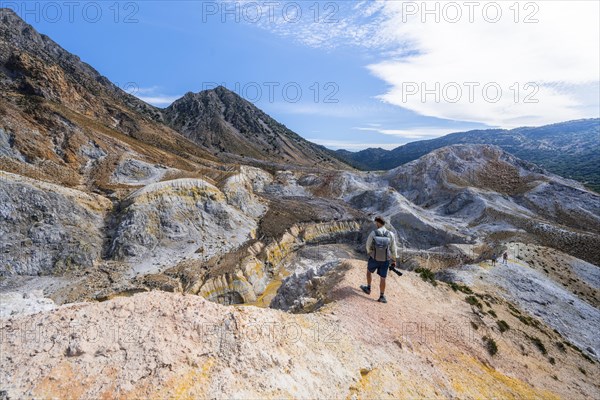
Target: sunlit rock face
48 229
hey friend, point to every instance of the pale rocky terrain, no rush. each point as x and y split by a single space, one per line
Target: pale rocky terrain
48 228
423 344
533 292
145 231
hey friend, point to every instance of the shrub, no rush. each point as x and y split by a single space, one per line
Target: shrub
513 309
503 326
538 343
461 288
492 313
527 320
427 275
474 325
490 345
472 300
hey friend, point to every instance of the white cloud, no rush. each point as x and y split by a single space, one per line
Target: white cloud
159 101
341 144
413 133
153 96
559 54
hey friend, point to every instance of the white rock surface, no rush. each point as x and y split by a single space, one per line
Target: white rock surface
135 172
13 303
165 222
46 228
534 292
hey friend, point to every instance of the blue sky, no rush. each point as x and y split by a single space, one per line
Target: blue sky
361 66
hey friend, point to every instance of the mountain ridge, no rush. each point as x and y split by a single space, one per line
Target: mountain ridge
570 149
34 67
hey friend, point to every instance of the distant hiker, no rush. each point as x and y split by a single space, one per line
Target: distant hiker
381 247
505 257
494 258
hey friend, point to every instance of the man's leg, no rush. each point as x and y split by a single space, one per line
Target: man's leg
367 288
382 298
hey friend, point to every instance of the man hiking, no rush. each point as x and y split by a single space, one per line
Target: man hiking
381 247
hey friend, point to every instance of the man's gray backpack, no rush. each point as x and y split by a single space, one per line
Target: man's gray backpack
381 246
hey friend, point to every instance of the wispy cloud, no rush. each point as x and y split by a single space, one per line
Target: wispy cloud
159 100
327 25
153 96
412 133
346 145
547 68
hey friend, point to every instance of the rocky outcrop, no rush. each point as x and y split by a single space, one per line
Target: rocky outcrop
162 345
244 275
175 219
14 303
565 205
48 229
308 288
534 292
437 176
414 227
239 190
135 172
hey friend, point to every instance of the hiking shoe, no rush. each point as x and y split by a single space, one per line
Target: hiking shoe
366 289
382 299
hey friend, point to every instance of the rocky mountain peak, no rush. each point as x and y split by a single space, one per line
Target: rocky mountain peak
19 36
224 122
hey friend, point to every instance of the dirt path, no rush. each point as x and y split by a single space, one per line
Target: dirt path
427 337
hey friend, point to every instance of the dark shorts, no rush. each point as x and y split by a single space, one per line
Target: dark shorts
380 266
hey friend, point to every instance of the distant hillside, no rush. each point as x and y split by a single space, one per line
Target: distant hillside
570 149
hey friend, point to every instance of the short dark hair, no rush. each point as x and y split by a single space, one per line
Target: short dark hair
380 220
